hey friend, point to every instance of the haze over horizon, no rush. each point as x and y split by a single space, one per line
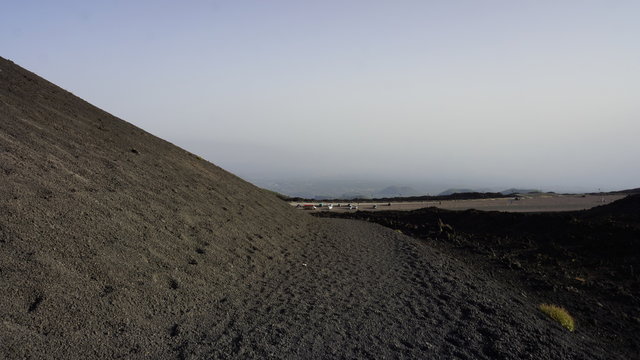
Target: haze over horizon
536 94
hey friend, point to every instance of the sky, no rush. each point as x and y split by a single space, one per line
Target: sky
540 94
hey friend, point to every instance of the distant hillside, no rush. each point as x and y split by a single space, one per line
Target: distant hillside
349 195
454 191
519 191
628 191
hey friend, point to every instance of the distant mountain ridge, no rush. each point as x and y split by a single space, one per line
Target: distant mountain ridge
456 191
503 192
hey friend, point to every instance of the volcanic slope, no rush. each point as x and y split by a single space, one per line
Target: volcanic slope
117 244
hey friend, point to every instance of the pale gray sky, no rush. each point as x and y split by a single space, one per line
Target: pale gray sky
495 93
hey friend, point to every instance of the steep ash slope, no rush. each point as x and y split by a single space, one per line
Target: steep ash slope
117 244
107 231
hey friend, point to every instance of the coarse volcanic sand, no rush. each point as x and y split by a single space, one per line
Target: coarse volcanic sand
117 244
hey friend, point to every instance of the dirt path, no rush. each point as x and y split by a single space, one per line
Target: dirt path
360 290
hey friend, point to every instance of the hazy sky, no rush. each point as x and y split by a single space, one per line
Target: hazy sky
518 93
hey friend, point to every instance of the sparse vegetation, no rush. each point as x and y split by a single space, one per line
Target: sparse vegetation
559 314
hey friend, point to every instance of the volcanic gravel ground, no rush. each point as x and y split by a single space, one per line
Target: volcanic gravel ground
360 290
585 261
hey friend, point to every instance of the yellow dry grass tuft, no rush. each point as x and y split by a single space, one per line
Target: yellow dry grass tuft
560 315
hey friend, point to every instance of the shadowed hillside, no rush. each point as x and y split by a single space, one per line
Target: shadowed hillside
117 244
106 229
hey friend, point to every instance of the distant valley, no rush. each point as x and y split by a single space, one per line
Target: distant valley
370 189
